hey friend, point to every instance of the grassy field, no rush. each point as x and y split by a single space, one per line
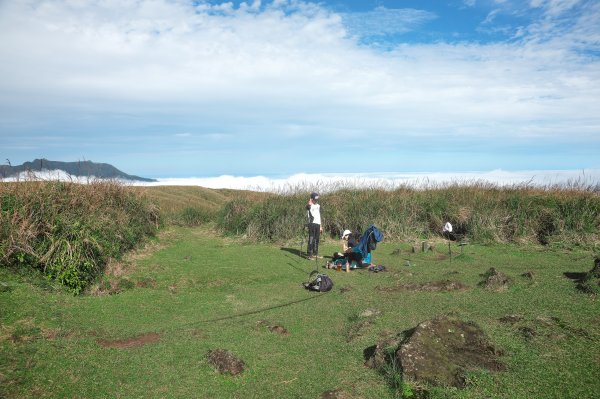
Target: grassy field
190 291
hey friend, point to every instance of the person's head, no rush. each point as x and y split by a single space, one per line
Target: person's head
314 197
346 234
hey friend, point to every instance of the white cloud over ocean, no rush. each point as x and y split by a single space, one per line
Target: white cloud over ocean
330 181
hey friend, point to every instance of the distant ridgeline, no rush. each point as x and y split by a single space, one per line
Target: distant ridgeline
79 169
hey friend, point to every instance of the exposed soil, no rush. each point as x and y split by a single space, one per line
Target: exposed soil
225 362
543 326
276 328
495 280
442 350
435 286
139 340
345 289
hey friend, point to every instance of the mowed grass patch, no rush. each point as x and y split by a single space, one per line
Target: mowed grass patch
209 292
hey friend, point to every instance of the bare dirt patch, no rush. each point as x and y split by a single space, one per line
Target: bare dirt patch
435 286
273 327
225 362
139 340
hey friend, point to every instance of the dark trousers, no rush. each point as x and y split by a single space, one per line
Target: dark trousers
314 233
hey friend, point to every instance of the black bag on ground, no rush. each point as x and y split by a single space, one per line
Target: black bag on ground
319 282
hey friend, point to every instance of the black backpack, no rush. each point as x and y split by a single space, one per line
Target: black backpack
319 282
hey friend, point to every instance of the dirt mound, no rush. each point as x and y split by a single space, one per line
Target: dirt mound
441 350
435 286
495 280
225 362
139 340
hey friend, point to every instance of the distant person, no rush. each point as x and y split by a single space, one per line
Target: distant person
314 226
348 241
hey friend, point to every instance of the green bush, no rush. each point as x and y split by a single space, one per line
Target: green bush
480 211
68 231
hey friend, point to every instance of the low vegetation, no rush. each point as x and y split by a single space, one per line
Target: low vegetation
221 317
560 215
69 231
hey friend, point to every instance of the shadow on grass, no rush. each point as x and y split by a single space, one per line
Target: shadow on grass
577 276
293 251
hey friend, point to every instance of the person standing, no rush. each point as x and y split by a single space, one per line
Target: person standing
314 226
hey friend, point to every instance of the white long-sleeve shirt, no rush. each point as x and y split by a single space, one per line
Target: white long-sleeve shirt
315 211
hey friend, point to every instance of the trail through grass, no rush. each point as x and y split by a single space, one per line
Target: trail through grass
199 292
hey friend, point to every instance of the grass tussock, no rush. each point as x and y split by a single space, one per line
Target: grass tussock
68 231
483 212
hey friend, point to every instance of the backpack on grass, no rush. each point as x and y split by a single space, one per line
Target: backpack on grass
319 282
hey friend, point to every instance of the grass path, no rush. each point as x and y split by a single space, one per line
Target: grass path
198 292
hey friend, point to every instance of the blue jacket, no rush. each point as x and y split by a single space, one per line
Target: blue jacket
368 241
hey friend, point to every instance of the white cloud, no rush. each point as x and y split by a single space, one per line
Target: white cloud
287 67
386 21
329 182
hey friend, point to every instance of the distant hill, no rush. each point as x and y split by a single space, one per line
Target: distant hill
79 169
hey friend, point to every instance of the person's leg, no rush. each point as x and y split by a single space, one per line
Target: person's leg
317 238
313 229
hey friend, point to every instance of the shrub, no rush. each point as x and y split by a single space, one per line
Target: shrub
67 230
482 211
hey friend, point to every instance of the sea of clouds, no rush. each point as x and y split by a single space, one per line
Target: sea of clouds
331 181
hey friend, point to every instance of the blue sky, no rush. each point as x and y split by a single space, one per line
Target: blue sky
178 88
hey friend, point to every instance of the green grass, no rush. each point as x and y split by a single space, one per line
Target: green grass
208 292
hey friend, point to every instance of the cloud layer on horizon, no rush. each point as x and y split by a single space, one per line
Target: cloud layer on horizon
329 182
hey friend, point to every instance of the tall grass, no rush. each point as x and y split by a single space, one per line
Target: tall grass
68 230
481 211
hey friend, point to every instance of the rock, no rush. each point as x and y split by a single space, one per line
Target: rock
440 351
496 281
382 353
